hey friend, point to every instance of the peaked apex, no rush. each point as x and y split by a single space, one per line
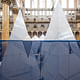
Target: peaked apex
56 3
19 31
59 28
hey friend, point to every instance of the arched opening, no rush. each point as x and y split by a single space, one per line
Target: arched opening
30 34
42 26
39 33
34 33
44 33
77 35
35 26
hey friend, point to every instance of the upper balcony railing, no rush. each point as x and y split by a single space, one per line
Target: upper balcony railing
44 13
47 13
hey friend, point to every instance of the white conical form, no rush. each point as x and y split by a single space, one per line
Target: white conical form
59 28
18 4
16 65
14 61
19 31
59 62
35 38
42 37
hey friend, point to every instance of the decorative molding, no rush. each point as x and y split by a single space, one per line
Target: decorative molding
15 10
6 1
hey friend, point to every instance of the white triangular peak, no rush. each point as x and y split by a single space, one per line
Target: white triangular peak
42 37
59 28
18 4
19 31
35 37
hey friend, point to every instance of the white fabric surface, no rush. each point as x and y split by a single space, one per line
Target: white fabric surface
59 28
16 65
19 31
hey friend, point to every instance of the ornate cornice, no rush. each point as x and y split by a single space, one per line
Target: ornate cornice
6 1
15 10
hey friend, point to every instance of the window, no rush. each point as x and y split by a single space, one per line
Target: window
27 3
42 3
64 3
42 26
71 3
10 13
49 3
34 3
35 26
1 13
